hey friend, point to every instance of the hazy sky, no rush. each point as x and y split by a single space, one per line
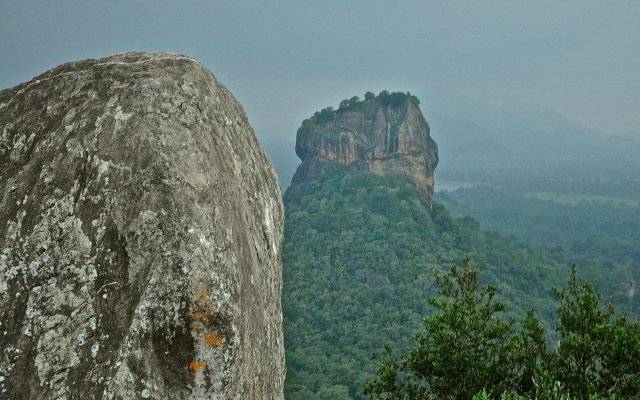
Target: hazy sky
285 59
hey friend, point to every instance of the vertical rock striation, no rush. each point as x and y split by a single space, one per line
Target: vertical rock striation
370 135
140 235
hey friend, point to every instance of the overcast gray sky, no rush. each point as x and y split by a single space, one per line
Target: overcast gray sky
285 59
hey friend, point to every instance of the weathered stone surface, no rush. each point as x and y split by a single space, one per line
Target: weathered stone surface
140 235
379 138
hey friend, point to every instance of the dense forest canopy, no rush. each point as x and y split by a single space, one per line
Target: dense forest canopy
358 259
600 234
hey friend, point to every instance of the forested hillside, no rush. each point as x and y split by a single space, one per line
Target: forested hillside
359 256
364 240
599 233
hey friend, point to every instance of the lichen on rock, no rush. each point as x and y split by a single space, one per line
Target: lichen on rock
140 235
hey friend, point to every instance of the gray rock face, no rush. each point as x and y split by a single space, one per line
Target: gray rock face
140 235
383 139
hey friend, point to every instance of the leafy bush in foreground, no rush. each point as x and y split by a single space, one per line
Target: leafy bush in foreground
468 349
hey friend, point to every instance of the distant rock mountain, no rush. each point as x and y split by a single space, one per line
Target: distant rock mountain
461 136
482 143
140 235
384 134
521 131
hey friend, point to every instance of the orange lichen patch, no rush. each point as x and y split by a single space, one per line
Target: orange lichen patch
194 312
211 338
197 365
202 296
200 310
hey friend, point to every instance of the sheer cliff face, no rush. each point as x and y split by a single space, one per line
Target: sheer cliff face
381 139
140 235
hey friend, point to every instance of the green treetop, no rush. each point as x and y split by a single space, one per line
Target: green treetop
385 98
468 349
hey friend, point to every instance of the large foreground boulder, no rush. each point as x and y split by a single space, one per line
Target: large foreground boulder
140 235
